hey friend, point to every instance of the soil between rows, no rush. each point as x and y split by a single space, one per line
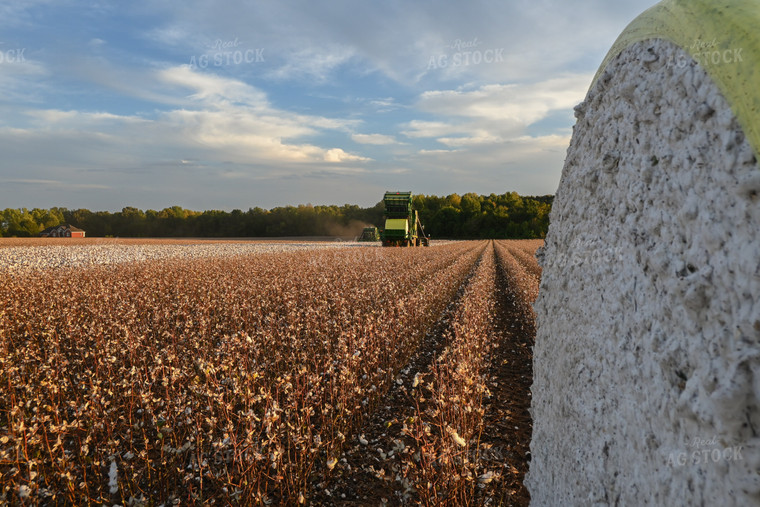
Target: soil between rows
360 477
508 423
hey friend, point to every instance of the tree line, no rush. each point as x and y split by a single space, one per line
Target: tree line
468 216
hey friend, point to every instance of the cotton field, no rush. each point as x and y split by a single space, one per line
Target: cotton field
160 372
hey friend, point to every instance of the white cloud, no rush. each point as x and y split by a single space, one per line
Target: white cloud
419 128
312 63
483 138
385 105
224 128
222 117
379 139
464 133
494 114
172 35
338 155
212 89
523 104
77 119
437 152
231 115
20 81
528 165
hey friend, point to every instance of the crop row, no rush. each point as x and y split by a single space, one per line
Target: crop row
233 379
523 276
444 464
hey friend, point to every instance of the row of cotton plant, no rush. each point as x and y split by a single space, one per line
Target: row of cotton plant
444 464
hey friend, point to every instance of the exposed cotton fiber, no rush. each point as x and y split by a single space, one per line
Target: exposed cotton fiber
647 357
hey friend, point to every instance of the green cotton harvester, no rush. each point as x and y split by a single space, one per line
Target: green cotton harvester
402 225
369 234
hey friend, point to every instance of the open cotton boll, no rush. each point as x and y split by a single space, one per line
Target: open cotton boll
113 478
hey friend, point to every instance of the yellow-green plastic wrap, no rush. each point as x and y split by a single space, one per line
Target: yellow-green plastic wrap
723 36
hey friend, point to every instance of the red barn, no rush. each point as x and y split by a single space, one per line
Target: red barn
62 231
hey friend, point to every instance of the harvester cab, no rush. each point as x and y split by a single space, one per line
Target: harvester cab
402 223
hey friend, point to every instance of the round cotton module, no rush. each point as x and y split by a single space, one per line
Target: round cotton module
647 355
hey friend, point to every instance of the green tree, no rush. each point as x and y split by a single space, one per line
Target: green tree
454 201
468 216
48 217
470 205
130 222
19 222
445 223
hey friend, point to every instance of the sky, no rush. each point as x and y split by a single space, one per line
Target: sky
232 105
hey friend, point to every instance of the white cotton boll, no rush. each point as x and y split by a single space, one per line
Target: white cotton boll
487 477
456 438
17 258
113 478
